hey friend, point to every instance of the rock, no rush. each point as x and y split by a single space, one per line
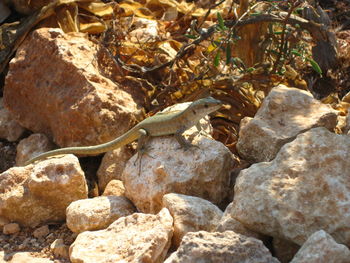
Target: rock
40 193
226 247
304 189
9 128
3 222
284 250
70 102
42 231
284 113
346 129
191 214
114 187
321 248
59 249
97 213
27 257
112 166
202 171
31 147
228 223
135 238
11 228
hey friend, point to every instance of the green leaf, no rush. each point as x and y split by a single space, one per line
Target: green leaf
221 21
294 52
190 36
315 65
228 54
217 59
251 69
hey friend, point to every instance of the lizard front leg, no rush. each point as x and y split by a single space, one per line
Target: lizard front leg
181 139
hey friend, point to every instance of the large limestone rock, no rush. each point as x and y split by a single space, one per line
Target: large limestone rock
9 128
54 87
304 189
226 247
284 113
97 213
191 214
321 248
41 193
135 238
202 172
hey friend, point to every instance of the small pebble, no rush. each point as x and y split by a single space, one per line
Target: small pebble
41 231
11 228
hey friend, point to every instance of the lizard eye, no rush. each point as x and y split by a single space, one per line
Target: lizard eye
206 105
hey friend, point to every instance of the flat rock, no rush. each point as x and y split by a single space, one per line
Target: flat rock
226 247
191 214
41 193
304 189
54 86
284 113
97 213
322 248
135 238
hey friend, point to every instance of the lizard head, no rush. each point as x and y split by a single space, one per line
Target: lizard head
203 107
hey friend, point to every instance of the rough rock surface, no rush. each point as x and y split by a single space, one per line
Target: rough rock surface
304 189
97 213
10 129
226 247
191 214
59 249
228 223
40 193
114 187
202 171
70 101
26 257
285 113
135 238
32 146
321 248
112 166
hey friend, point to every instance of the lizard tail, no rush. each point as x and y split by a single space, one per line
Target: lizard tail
126 138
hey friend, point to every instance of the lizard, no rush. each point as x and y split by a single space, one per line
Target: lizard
160 124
